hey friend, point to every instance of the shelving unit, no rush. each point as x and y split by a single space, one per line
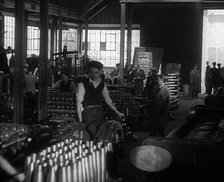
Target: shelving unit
173 84
172 81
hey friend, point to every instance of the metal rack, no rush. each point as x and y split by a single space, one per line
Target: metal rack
69 60
173 84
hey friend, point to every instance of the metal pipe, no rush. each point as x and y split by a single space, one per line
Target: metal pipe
51 175
38 175
69 174
87 169
75 172
62 174
122 37
80 171
98 166
29 172
103 169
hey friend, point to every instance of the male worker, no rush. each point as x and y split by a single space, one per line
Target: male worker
90 94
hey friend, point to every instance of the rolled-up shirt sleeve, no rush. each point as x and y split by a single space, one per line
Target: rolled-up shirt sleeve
80 92
79 99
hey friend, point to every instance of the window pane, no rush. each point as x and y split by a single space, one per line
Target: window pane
9 29
104 45
33 41
69 38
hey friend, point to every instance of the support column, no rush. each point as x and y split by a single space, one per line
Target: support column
129 39
79 39
25 34
19 58
122 36
55 36
79 47
43 59
2 30
86 41
60 32
53 30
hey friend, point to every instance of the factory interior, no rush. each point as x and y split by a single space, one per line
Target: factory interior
111 90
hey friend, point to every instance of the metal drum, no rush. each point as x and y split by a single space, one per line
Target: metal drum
150 158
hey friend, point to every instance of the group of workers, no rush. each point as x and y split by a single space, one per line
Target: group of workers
214 78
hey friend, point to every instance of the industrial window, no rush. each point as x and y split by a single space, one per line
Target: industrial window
108 42
33 41
213 40
9 31
104 45
33 37
69 38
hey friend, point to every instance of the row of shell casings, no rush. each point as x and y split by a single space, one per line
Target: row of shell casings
71 111
78 164
62 132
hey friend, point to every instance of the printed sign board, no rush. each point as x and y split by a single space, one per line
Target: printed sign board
145 61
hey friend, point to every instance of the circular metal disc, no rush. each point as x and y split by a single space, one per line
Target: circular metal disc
150 158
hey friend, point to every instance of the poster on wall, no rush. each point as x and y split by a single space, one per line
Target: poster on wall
155 56
137 50
145 61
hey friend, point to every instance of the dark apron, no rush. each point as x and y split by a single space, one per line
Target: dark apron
93 117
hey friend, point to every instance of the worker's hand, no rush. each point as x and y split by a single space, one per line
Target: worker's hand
20 177
120 115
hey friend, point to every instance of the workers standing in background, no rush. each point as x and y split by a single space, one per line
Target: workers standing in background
219 69
195 81
65 84
215 78
57 74
138 78
208 81
151 81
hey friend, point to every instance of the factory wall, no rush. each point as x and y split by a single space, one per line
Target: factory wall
175 27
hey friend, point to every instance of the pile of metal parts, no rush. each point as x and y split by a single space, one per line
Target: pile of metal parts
124 102
6 114
11 134
62 128
69 161
61 103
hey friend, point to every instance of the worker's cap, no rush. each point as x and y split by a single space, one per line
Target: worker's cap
219 64
214 63
95 64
